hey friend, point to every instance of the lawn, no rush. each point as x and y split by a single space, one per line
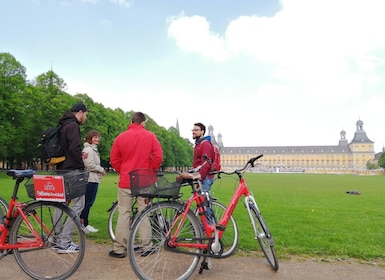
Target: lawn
308 214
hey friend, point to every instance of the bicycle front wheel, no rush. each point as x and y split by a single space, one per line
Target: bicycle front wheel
40 255
149 252
264 236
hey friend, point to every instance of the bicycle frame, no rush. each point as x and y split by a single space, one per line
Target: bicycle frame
15 209
218 229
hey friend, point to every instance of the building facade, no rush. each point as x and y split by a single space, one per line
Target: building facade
346 157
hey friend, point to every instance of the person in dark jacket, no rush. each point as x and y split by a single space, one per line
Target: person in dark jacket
71 142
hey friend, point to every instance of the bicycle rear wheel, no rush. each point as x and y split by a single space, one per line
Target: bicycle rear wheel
264 236
112 220
47 220
159 261
3 209
229 240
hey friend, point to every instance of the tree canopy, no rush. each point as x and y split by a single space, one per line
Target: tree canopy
27 108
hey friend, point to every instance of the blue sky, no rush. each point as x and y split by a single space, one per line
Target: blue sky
261 72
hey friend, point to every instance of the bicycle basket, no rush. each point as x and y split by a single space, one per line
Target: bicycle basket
61 186
149 183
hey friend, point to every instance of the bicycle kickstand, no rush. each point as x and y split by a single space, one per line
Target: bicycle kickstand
206 264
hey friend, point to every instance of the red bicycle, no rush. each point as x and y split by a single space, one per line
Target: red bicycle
181 233
30 232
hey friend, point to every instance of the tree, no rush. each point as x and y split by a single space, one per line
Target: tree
28 109
12 85
381 161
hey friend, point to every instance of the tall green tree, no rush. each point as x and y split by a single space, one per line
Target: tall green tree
29 108
381 161
12 85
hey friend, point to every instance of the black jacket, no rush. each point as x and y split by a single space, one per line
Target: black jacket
71 142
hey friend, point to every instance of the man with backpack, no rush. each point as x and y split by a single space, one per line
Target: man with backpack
71 142
203 148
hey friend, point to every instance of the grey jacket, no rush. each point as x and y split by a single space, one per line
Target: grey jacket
91 161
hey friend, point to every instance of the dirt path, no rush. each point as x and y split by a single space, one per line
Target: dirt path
98 265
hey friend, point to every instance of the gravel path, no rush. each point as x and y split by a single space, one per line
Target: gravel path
98 265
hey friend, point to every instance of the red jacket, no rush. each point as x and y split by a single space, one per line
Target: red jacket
133 149
202 148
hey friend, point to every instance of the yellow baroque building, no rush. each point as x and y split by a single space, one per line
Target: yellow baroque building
342 158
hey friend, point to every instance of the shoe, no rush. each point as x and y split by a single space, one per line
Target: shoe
148 252
70 248
85 230
91 228
116 255
138 249
55 247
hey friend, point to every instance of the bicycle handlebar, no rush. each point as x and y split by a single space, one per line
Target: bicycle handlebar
196 169
249 163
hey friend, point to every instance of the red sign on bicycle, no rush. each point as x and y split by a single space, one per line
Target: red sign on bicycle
49 188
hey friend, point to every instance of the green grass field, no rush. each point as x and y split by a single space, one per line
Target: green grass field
308 214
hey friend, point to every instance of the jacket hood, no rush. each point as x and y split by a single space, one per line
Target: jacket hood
67 117
208 137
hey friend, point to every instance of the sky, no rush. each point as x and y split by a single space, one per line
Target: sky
261 72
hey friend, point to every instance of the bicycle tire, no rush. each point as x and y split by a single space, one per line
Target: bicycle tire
163 263
229 240
112 220
47 219
3 209
264 237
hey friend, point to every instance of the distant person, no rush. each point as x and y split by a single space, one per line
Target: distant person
71 142
133 149
203 147
91 161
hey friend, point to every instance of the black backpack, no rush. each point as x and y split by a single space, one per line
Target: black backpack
51 151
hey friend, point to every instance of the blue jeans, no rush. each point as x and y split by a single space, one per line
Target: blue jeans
92 189
206 188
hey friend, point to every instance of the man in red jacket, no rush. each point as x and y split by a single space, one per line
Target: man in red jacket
133 149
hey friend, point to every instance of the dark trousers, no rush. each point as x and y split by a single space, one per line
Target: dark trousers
92 189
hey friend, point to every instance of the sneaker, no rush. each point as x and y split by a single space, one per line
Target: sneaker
70 248
55 247
148 252
138 248
116 255
91 228
85 230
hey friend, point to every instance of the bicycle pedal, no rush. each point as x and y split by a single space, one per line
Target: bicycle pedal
204 265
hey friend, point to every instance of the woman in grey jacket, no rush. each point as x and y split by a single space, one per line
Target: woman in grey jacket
91 161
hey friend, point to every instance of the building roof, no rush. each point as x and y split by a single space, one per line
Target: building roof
286 150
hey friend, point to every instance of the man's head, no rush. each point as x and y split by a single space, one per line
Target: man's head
80 112
139 118
199 130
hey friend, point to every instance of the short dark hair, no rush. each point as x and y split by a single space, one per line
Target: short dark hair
79 107
91 134
202 126
138 117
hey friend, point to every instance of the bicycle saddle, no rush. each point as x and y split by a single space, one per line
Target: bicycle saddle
188 177
24 173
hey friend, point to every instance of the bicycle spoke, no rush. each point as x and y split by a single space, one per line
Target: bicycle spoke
264 237
47 219
163 263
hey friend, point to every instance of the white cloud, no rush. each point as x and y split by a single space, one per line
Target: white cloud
193 34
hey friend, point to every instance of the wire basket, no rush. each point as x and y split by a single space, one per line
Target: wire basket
60 186
150 183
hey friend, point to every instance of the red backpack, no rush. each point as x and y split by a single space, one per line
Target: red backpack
216 162
216 165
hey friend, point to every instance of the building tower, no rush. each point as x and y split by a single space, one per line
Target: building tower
362 148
